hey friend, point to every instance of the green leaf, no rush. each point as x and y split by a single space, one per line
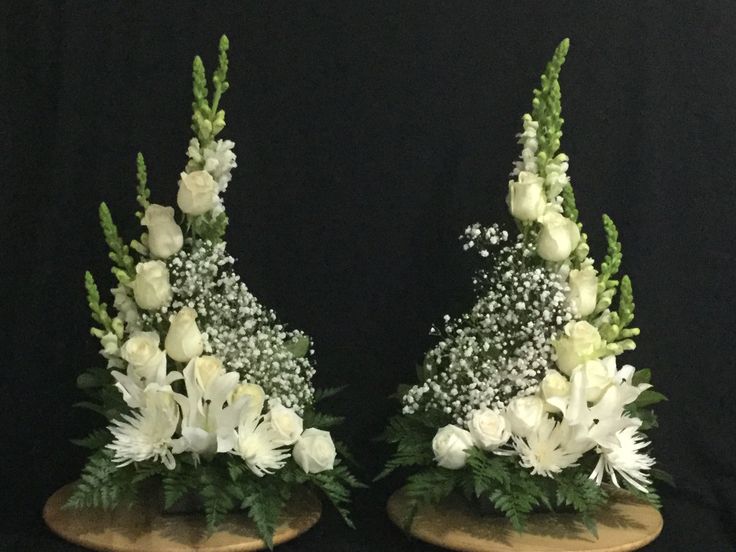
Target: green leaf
336 484
321 420
642 376
95 440
649 397
102 484
298 346
328 392
429 486
489 471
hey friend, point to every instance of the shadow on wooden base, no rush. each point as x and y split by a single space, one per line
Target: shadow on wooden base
624 525
145 528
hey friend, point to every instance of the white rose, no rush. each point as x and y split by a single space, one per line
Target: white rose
164 235
142 353
184 342
197 193
315 451
558 237
151 288
286 424
450 446
526 199
255 398
555 390
206 370
524 414
597 379
580 342
583 291
488 429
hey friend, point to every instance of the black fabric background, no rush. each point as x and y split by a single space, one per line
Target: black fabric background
368 135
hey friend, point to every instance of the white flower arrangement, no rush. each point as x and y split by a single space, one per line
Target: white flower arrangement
203 388
521 404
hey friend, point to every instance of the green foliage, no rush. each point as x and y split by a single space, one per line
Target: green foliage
429 486
264 501
336 485
299 346
321 420
413 440
327 393
489 472
578 491
177 484
212 489
102 483
95 440
143 192
209 227
124 268
207 119
547 108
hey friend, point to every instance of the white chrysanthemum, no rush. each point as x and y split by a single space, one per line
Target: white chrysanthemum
147 434
625 458
549 449
259 446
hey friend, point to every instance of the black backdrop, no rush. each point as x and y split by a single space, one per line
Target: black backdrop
368 135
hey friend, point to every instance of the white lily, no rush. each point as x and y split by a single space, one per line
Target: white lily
132 385
208 425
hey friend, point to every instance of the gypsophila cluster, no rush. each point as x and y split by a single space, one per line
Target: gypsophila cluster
236 328
503 347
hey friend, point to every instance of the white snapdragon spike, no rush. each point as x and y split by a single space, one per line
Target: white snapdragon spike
450 446
165 237
218 159
556 175
623 456
126 307
257 445
208 425
148 433
110 346
549 448
315 451
530 145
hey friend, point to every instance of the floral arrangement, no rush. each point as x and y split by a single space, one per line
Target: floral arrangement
521 405
204 390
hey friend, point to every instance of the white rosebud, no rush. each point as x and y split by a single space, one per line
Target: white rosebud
255 398
197 193
184 342
151 288
206 370
142 353
526 199
165 237
597 379
488 429
287 425
558 237
555 390
450 446
583 291
315 452
580 342
524 414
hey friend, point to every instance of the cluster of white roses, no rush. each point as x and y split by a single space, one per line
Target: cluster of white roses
580 403
218 413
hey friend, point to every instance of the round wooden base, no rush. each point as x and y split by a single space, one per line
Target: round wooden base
626 524
144 528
